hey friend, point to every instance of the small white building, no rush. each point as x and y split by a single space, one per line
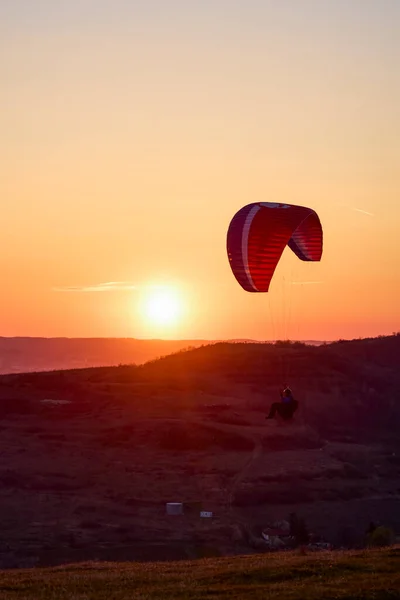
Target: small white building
174 508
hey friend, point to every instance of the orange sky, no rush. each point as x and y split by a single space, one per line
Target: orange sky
132 132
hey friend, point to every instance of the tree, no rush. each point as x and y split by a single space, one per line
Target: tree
298 529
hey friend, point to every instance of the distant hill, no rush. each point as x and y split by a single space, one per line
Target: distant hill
91 456
27 354
22 355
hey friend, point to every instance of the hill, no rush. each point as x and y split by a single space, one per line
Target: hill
373 574
91 456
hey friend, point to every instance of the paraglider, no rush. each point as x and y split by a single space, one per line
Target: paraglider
258 235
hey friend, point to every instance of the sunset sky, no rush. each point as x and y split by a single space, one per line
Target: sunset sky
132 131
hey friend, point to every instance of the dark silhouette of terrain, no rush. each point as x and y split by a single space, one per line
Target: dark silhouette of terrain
91 456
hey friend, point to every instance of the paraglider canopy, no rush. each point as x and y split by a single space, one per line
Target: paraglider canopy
258 234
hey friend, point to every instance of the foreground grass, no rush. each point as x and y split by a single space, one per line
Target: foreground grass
363 575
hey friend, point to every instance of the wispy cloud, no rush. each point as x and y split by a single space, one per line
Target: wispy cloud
109 286
364 212
360 210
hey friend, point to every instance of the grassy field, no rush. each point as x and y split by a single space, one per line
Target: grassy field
368 574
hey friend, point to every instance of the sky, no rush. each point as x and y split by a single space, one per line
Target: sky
132 132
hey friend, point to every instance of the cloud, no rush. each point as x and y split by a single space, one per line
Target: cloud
109 286
364 212
360 210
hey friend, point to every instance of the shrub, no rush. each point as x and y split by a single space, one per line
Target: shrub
381 536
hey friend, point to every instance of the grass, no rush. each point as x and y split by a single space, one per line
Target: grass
363 575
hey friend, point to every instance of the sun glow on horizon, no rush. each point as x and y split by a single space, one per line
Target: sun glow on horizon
162 307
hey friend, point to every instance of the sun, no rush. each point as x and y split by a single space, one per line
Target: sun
162 306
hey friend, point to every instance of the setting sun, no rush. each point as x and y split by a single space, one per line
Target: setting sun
162 306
